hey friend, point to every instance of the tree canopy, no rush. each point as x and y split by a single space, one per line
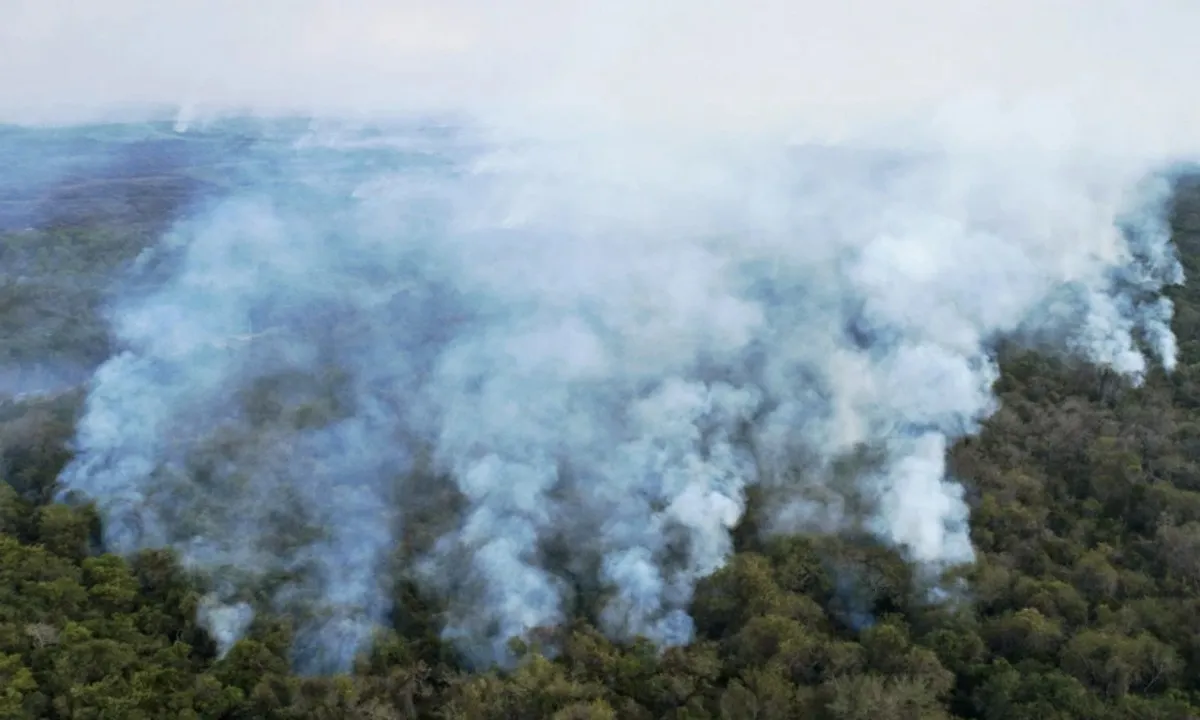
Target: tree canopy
1084 602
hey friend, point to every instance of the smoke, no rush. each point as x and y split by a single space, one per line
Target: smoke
659 256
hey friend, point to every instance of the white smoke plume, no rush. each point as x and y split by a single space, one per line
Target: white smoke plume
661 255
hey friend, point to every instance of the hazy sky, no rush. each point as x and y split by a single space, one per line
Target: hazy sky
1120 70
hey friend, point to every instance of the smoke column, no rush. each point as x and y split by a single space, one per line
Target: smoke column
658 256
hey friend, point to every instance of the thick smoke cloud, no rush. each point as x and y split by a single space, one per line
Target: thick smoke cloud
597 357
662 254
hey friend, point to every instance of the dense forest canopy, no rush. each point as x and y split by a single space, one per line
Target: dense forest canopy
1083 599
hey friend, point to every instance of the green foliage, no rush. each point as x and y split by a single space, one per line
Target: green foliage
1084 602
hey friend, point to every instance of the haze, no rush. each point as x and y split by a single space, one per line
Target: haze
1108 74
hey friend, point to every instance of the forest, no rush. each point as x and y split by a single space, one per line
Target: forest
1084 602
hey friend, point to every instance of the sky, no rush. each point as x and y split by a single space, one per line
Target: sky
1112 74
